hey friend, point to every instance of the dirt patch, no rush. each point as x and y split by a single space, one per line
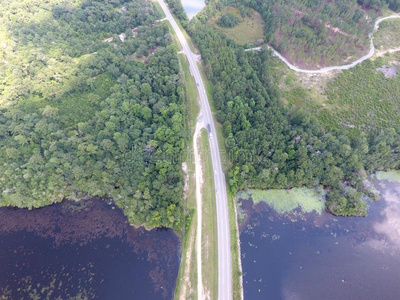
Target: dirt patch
186 180
316 81
388 51
187 284
336 29
390 71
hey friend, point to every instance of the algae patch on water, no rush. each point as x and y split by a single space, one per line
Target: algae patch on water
284 201
391 176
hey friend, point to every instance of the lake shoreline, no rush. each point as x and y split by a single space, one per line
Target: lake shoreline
72 235
315 256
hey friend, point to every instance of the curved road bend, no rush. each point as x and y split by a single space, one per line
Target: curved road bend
224 241
328 69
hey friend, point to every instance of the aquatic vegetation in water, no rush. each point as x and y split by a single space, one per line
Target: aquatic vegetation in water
89 247
241 214
284 201
391 176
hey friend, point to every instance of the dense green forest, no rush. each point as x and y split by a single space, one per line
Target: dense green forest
228 20
380 4
81 116
314 33
277 146
177 9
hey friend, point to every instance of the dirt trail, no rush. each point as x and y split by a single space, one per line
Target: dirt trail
332 68
187 284
384 52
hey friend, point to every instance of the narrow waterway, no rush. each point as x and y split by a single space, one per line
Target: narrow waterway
84 250
310 256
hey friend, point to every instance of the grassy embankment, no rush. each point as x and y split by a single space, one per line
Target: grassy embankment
226 164
209 222
236 267
192 112
241 33
186 284
388 36
186 287
159 9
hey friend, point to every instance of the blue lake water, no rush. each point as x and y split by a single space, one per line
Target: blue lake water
84 250
310 256
192 7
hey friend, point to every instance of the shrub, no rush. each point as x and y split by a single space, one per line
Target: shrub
228 20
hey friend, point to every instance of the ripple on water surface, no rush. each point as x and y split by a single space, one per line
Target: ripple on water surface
84 250
309 256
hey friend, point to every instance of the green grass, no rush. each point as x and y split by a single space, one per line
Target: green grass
226 164
186 286
189 240
193 108
175 42
249 30
362 97
237 291
79 106
284 201
189 281
159 9
392 176
187 37
74 106
357 99
189 236
388 35
235 251
209 223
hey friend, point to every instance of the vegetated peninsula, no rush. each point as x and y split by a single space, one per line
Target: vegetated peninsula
278 146
91 104
314 33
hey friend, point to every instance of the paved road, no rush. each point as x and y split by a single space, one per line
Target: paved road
224 241
328 69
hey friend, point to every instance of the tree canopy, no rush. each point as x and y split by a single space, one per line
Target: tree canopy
315 33
91 105
228 20
276 146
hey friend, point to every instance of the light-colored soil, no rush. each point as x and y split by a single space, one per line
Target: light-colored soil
199 183
187 284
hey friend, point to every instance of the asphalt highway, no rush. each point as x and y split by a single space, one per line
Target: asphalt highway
224 241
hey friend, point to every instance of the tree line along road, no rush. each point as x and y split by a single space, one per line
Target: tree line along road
224 240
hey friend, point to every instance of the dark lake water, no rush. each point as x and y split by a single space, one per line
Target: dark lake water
84 250
310 256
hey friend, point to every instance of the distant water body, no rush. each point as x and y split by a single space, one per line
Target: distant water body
312 257
84 250
192 7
